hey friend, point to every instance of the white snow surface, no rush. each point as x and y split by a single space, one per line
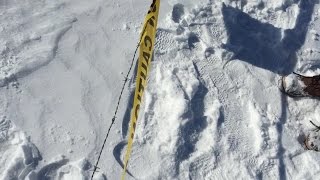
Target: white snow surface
212 108
292 83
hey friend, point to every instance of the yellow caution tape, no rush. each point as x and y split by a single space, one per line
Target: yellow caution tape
145 55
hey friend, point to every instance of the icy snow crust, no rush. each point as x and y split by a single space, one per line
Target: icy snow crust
212 108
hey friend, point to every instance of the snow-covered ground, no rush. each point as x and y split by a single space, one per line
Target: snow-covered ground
212 108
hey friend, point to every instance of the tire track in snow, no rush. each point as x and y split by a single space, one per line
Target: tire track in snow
232 127
259 164
208 34
199 40
232 124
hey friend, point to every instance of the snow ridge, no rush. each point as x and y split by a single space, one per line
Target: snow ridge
20 52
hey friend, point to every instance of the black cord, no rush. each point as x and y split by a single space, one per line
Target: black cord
118 104
318 127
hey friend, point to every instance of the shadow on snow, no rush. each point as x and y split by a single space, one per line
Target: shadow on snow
270 48
262 44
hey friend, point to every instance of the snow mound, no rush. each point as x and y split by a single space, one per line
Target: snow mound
293 84
19 156
20 160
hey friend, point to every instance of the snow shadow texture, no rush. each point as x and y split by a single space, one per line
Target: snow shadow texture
262 44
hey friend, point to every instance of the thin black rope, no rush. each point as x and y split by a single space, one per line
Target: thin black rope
118 104
318 127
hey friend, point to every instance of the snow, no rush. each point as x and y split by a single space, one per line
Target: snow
212 108
292 83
